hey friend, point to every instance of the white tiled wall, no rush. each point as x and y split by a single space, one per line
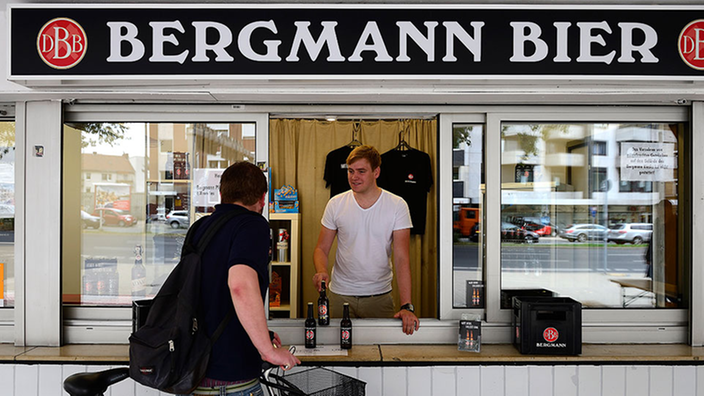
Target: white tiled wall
46 380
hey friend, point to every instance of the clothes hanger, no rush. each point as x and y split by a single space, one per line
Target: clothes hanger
355 133
402 145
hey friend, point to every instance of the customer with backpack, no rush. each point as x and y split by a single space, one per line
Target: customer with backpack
234 272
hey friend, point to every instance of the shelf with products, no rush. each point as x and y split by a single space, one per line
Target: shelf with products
285 268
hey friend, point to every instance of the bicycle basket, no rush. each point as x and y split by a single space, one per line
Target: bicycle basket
324 382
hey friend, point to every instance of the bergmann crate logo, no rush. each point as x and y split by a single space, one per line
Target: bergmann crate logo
551 335
691 44
62 43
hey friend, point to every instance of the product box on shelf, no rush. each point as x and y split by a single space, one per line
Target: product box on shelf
286 193
286 207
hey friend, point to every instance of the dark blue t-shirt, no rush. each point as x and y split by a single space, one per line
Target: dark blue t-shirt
243 240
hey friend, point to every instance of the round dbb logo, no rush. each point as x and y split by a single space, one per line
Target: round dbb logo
322 310
551 334
310 334
691 44
345 335
62 43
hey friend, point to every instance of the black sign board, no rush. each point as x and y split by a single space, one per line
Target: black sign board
365 41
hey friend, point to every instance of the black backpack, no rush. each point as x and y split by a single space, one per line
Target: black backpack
170 352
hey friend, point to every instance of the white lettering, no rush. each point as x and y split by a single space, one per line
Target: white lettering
202 46
426 43
59 40
527 31
562 28
130 36
371 30
77 42
697 54
473 44
272 46
159 39
586 39
46 37
627 46
687 42
327 36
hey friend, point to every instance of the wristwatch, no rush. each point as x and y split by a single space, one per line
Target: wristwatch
408 307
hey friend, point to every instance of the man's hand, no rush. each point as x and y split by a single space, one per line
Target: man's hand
409 319
282 358
318 278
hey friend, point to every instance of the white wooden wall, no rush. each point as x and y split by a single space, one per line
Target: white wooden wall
46 380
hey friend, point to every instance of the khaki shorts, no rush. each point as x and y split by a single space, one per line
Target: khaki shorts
378 306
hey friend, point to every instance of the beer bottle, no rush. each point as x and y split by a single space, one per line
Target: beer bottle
139 274
310 327
346 328
323 307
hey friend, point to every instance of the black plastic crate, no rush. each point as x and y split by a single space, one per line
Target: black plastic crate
547 325
507 295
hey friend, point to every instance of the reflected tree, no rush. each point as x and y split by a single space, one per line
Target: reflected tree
95 133
7 138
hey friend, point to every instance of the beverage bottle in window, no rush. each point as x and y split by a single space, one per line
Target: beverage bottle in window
346 328
310 327
323 307
139 274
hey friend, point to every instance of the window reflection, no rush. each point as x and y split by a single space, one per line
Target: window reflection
140 187
594 215
7 214
467 211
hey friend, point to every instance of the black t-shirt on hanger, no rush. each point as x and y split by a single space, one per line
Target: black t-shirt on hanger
336 170
408 174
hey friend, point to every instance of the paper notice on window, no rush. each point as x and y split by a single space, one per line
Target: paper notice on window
322 350
648 162
206 187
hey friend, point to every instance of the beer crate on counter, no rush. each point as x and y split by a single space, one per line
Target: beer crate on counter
547 325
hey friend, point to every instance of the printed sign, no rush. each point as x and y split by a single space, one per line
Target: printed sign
206 186
648 162
378 41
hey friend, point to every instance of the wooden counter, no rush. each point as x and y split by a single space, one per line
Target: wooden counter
393 355
508 354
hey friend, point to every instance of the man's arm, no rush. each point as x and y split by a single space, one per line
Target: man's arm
320 256
402 242
244 289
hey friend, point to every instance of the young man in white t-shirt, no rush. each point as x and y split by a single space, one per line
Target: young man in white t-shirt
369 224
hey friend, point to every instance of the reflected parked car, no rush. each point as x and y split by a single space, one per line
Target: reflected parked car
584 232
115 217
88 220
635 233
178 219
513 233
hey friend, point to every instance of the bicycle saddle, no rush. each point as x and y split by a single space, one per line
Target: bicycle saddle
94 384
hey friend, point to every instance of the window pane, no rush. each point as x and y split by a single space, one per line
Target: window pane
467 207
137 189
7 214
599 206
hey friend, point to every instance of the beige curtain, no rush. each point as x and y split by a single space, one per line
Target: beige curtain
298 149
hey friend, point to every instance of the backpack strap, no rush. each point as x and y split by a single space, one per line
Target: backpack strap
213 228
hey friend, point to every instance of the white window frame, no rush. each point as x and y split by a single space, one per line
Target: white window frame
599 325
103 325
113 325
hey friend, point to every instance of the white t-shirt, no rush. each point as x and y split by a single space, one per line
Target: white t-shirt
364 236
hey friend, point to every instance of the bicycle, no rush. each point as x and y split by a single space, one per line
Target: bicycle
317 381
